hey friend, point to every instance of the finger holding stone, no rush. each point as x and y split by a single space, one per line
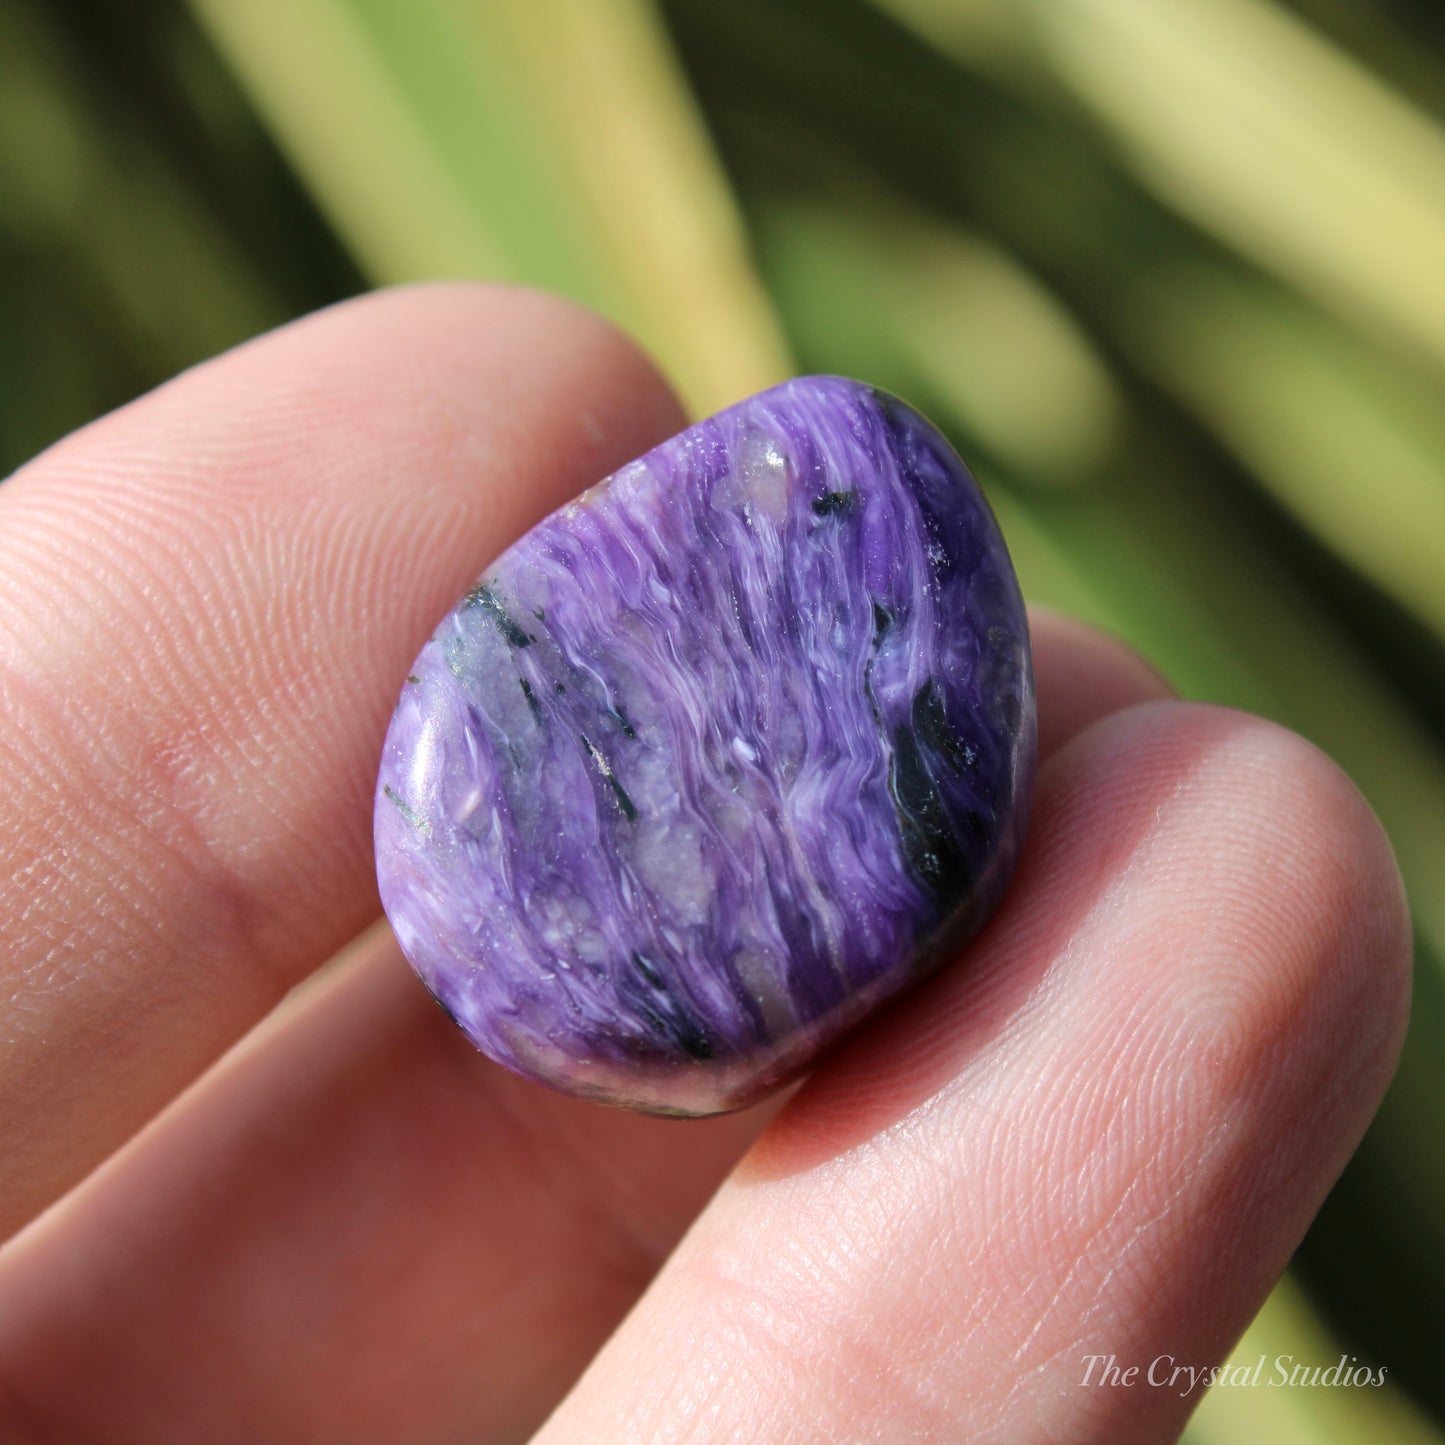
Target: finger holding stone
444 1245
1104 1138
211 597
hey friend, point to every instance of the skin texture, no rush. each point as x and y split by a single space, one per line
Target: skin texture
1103 1130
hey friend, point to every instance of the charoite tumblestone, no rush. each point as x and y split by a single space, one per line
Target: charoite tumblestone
717 757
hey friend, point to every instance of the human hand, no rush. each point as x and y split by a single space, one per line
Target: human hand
1102 1132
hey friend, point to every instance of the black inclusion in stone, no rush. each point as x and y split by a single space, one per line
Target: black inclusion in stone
629 808
482 596
930 726
671 1024
644 966
681 1029
403 808
835 504
882 621
531 697
931 848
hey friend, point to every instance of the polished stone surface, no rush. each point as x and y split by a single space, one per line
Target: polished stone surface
716 757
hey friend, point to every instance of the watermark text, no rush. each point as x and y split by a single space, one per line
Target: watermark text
1165 1372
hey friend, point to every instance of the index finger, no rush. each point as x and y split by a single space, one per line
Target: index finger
212 597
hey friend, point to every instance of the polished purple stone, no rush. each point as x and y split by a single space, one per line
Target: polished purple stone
716 757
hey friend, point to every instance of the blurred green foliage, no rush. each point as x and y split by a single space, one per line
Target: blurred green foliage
146 220
1172 276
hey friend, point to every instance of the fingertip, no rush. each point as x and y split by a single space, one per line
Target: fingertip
1255 981
1262 820
339 373
1082 674
1332 894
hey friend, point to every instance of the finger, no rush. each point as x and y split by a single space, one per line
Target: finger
360 1230
443 1245
1102 1139
1087 674
211 598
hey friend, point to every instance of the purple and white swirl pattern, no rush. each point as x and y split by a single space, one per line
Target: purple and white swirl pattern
716 757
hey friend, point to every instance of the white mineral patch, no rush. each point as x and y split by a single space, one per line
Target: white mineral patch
651 784
564 923
667 854
732 816
466 805
760 975
627 484
744 751
758 479
532 583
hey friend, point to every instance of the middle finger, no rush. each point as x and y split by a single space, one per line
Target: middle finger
358 1228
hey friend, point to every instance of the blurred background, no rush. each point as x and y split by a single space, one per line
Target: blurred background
1171 273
